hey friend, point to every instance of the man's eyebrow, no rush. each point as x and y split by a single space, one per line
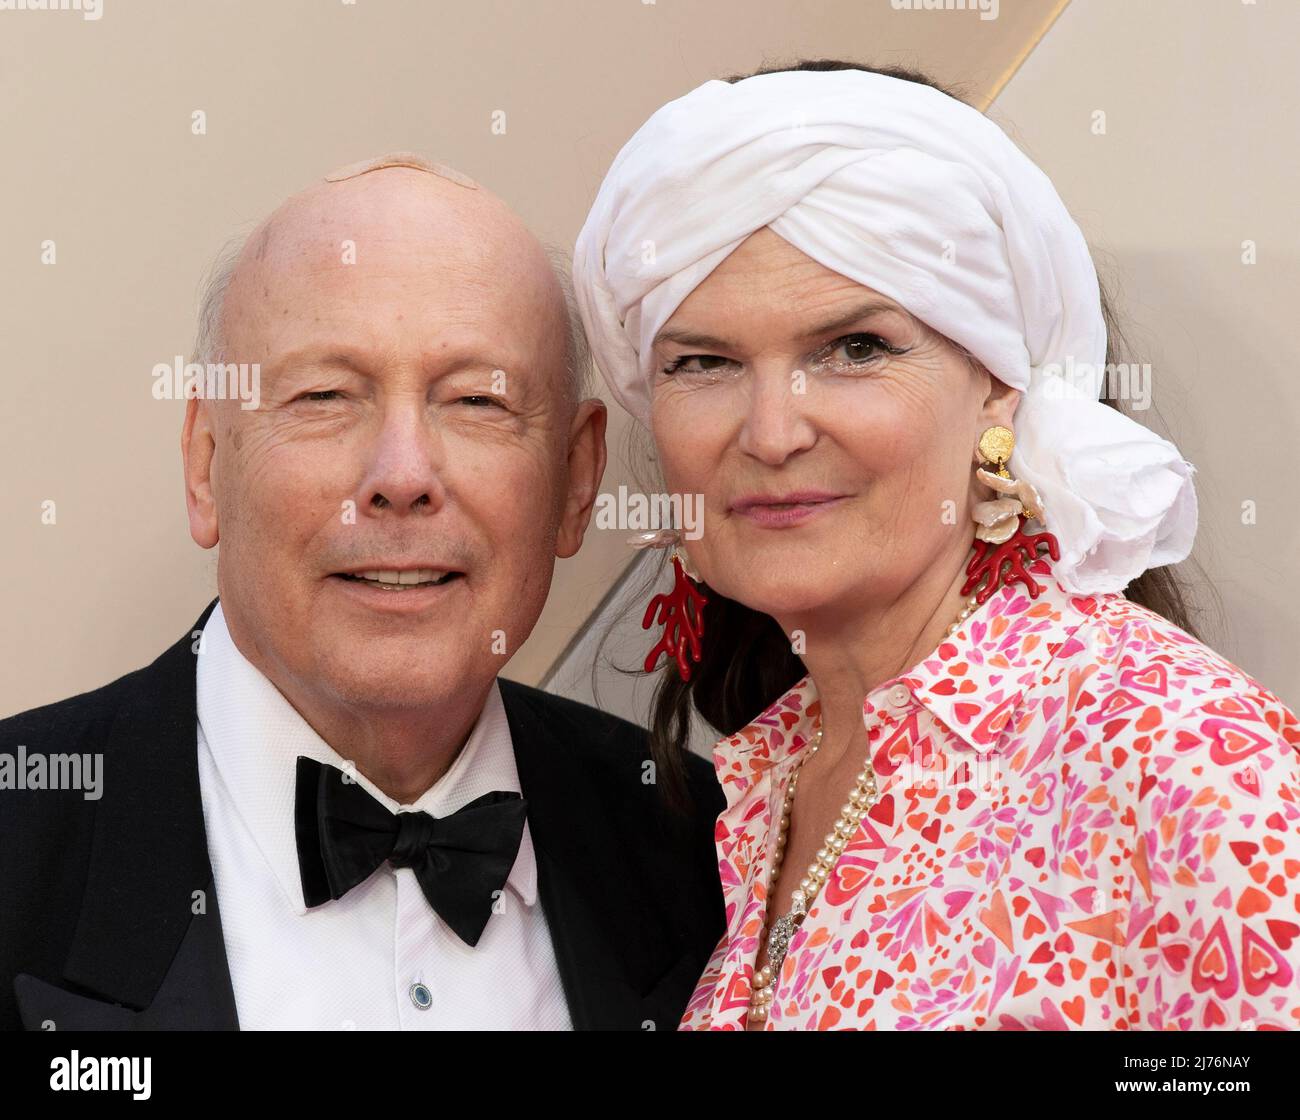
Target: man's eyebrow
363 361
707 341
319 357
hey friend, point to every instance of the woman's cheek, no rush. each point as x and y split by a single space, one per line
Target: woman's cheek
692 440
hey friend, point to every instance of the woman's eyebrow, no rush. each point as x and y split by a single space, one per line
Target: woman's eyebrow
691 338
857 314
847 319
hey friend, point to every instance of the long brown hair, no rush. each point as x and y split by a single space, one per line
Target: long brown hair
747 661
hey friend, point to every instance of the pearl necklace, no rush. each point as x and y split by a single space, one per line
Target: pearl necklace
781 932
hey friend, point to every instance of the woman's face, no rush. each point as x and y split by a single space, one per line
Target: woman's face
831 434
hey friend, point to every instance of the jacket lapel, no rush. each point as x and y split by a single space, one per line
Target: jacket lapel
142 958
620 966
195 993
148 950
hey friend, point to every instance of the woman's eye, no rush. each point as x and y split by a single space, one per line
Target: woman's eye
702 363
860 347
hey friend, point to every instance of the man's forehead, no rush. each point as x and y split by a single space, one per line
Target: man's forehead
342 240
315 215
401 159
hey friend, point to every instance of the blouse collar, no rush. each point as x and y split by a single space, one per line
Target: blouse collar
972 683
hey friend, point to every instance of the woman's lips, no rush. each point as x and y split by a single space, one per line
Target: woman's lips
777 511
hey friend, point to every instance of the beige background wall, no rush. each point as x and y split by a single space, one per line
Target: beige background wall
96 141
1199 155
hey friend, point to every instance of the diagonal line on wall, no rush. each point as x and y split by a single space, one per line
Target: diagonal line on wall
1019 60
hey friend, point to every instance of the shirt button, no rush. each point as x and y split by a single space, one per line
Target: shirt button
900 696
421 997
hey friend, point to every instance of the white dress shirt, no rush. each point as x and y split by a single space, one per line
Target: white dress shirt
356 962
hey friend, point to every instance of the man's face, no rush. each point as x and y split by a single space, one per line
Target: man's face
390 513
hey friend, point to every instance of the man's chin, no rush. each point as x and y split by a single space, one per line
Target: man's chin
401 689
401 671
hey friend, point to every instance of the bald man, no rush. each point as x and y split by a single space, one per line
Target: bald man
322 808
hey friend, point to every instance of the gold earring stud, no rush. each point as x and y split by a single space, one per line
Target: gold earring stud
995 446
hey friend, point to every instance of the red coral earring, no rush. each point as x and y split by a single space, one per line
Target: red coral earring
680 611
1002 547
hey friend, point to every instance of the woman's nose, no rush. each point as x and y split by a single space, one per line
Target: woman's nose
776 423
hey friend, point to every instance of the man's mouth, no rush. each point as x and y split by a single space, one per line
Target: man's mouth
395 580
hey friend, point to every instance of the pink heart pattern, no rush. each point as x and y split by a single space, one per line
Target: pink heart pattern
1086 820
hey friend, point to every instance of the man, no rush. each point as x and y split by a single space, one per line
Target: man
389 515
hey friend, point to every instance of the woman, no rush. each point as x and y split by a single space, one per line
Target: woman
970 784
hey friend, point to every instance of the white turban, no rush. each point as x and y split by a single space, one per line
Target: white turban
908 191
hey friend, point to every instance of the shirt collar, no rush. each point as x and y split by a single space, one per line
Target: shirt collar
255 737
972 683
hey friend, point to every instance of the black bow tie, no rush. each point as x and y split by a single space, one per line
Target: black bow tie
461 861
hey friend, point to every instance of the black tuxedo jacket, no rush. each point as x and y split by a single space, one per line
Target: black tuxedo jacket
98 928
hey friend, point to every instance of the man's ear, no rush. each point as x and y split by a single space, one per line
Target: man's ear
587 455
198 450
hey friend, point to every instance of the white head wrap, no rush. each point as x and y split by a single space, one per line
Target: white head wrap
908 191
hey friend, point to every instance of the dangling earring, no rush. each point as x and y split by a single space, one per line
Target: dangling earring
1002 547
681 610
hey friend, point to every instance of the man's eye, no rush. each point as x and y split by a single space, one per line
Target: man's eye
480 401
319 395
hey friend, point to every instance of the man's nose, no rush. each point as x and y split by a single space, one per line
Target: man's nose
404 471
775 425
